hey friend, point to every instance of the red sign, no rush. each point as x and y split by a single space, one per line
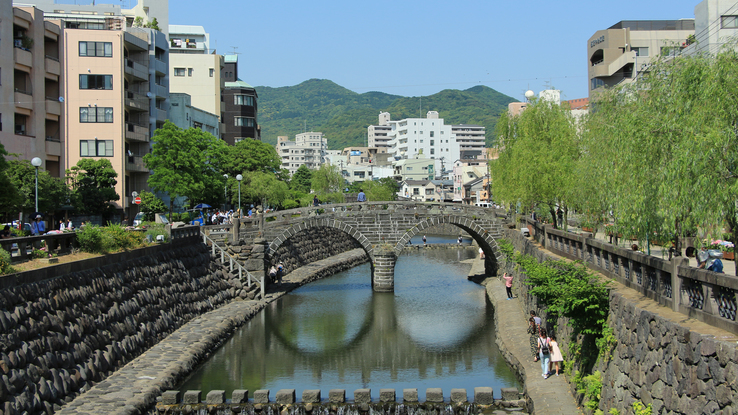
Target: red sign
137 200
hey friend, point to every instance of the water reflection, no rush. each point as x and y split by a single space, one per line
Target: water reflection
434 331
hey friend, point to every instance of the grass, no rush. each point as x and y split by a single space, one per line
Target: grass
63 258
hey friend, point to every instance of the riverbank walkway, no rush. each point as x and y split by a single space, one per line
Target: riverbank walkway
546 396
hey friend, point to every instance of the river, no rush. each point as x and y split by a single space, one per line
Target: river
435 331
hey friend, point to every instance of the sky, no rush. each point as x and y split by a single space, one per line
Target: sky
415 48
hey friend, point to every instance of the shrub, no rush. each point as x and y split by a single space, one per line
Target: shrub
90 239
116 237
5 267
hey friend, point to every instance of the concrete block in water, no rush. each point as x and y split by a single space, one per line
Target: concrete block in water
215 397
240 396
311 396
387 395
192 397
410 395
363 396
510 394
261 396
170 398
434 395
337 395
285 396
483 396
458 395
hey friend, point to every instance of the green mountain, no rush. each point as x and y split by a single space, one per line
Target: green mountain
343 115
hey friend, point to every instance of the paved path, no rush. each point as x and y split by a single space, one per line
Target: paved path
546 396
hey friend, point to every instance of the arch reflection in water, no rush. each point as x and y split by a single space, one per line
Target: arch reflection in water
436 330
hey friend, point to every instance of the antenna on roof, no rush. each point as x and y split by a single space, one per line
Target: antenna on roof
234 50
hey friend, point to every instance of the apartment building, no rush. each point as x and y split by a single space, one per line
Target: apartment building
31 55
240 105
378 135
470 139
308 149
716 24
196 70
185 115
617 54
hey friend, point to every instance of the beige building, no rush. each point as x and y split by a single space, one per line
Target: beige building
308 148
379 135
195 69
617 54
30 79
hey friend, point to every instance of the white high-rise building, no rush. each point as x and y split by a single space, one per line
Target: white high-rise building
308 148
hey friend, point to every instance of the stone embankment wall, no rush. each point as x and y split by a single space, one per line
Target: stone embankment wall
655 361
60 336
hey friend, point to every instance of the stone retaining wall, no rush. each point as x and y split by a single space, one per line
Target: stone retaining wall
655 360
60 336
312 245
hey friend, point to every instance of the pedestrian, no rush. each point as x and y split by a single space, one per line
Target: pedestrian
272 274
560 216
508 285
62 226
70 227
556 356
82 225
481 253
544 352
460 239
533 332
280 272
316 202
40 225
361 197
535 317
424 240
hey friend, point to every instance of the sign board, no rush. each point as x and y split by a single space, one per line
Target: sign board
137 200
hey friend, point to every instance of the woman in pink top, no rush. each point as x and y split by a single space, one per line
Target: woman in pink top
508 285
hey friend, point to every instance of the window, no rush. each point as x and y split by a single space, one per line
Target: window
433 151
99 49
243 122
729 22
596 83
416 191
640 51
96 82
238 139
212 72
432 133
189 71
433 142
243 100
96 148
179 71
95 114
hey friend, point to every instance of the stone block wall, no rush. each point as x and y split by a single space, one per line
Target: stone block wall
61 335
312 245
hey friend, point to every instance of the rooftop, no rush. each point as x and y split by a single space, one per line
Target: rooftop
179 29
681 24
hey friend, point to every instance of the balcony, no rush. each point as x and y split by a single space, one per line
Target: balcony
136 132
52 65
137 70
161 91
23 57
136 101
53 106
161 115
53 148
160 66
135 164
23 99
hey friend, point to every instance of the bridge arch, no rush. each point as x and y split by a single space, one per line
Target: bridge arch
322 223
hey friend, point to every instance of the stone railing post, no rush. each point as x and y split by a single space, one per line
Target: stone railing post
676 281
257 262
383 270
235 229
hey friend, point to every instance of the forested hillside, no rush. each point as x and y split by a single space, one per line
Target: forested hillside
343 115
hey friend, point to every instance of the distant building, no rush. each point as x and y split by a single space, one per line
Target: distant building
617 54
418 168
184 115
378 135
241 106
716 24
308 149
426 190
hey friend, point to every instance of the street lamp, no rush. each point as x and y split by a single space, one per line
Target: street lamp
225 192
239 178
36 162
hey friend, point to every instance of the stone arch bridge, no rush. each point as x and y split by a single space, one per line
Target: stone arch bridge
381 229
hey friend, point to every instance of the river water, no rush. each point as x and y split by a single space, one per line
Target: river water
435 331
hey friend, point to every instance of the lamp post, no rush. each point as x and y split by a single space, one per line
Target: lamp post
225 192
36 162
239 178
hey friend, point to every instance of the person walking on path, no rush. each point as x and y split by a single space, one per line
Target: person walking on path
508 285
273 274
361 197
424 240
280 272
556 356
533 331
544 352
535 317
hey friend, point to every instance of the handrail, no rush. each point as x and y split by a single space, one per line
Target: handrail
241 268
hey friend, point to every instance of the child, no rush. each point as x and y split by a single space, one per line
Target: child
556 356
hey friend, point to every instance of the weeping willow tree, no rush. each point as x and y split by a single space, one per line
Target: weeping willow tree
538 150
661 152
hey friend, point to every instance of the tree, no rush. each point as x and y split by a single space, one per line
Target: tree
10 197
668 146
265 188
251 155
301 180
153 24
327 183
93 186
52 191
186 163
150 205
384 189
538 151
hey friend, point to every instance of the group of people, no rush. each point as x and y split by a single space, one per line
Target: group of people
66 226
544 347
276 273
